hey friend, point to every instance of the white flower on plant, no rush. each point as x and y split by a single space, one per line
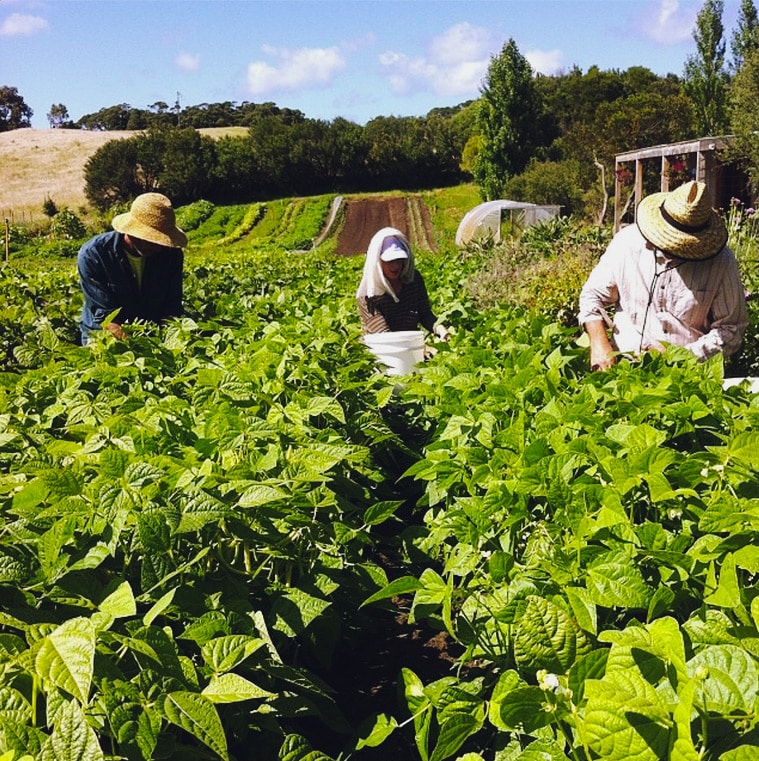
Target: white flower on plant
547 681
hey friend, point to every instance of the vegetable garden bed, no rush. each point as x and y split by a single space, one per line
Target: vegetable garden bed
233 538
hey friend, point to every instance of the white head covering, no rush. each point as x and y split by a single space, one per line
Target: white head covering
373 282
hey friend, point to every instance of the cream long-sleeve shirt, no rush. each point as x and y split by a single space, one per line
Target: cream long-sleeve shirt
697 304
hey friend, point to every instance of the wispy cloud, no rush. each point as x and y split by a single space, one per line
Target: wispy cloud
294 69
455 63
187 62
669 22
22 25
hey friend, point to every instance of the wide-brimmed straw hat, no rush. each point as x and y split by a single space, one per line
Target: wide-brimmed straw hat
151 218
682 222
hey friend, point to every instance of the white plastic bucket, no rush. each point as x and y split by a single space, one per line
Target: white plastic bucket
399 350
753 383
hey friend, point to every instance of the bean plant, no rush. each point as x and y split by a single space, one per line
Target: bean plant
204 524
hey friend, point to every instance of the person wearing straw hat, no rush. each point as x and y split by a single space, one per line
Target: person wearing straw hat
670 279
392 295
136 268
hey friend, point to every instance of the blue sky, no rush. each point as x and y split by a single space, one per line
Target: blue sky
351 58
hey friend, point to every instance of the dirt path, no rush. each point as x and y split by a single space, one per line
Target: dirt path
363 217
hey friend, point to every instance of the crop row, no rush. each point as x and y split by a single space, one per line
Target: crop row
209 532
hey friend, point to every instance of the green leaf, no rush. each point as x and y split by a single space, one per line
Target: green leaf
419 706
583 607
615 581
507 682
66 657
159 607
728 591
325 405
261 494
382 728
684 749
379 512
741 753
523 709
11 571
403 585
233 688
625 719
297 748
72 739
660 602
153 647
225 653
199 510
30 496
120 603
454 733
295 610
728 679
744 448
590 666
547 638
197 715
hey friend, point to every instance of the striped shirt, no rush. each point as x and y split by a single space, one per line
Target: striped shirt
380 314
697 304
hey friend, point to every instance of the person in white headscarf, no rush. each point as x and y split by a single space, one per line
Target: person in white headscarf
392 295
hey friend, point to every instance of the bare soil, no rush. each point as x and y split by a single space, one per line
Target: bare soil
364 216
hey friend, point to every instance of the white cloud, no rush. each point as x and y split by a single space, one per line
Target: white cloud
187 62
455 63
668 23
21 25
547 62
294 69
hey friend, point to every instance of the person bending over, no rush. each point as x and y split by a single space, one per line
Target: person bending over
136 268
670 279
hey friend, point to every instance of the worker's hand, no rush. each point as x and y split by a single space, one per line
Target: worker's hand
116 330
655 346
602 355
442 332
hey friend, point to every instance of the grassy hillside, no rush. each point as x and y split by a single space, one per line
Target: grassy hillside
49 163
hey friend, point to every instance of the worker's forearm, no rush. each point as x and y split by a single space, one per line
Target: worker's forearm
601 350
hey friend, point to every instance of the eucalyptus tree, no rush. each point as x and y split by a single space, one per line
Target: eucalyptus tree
14 112
705 77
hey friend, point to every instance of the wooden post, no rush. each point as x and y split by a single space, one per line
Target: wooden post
7 239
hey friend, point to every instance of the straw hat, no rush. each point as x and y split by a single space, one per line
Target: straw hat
682 223
151 218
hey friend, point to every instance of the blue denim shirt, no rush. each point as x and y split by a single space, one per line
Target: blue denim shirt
108 283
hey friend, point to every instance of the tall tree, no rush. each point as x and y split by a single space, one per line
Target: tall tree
14 113
510 110
705 78
746 35
744 112
58 116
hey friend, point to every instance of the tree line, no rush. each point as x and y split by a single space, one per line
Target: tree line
545 139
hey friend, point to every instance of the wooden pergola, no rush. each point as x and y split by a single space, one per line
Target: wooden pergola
702 160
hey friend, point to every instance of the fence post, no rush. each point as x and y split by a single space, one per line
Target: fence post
7 239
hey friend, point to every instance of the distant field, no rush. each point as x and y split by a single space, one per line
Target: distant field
36 164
